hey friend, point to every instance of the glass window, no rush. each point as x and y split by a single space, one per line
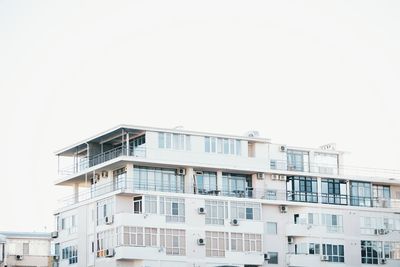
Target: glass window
273 258
272 228
206 182
298 160
334 252
334 191
157 179
371 252
216 212
360 194
302 189
245 210
174 241
222 145
174 209
216 244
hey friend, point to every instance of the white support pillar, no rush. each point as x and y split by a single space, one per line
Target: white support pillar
188 181
319 189
127 144
76 193
219 182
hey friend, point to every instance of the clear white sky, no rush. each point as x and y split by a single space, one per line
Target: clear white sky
301 72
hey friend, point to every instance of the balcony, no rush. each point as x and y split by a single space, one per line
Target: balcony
133 185
87 162
333 170
309 230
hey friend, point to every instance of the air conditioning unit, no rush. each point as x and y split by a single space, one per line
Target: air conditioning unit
282 148
19 257
275 177
383 261
290 239
109 219
104 174
235 222
260 176
56 258
201 242
181 171
282 177
382 231
109 252
54 234
283 209
324 258
201 210
266 257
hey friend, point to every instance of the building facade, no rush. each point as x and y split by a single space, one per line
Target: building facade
25 249
151 197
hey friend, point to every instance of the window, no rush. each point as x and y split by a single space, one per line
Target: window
71 254
326 163
137 236
313 249
368 225
175 141
371 252
69 224
302 189
150 204
137 205
334 191
173 240
105 208
105 240
236 242
174 209
216 244
360 194
236 185
157 179
25 248
206 182
252 243
381 194
298 160
273 258
245 210
333 222
272 228
216 212
222 146
334 252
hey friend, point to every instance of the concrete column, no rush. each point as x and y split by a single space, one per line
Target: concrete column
129 176
188 181
319 189
219 181
127 144
76 193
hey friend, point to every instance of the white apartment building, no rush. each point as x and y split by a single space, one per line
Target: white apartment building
25 249
151 197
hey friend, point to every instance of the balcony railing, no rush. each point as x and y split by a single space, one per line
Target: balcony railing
334 169
97 159
135 185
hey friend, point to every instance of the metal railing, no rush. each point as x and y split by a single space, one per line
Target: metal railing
134 184
333 169
87 162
